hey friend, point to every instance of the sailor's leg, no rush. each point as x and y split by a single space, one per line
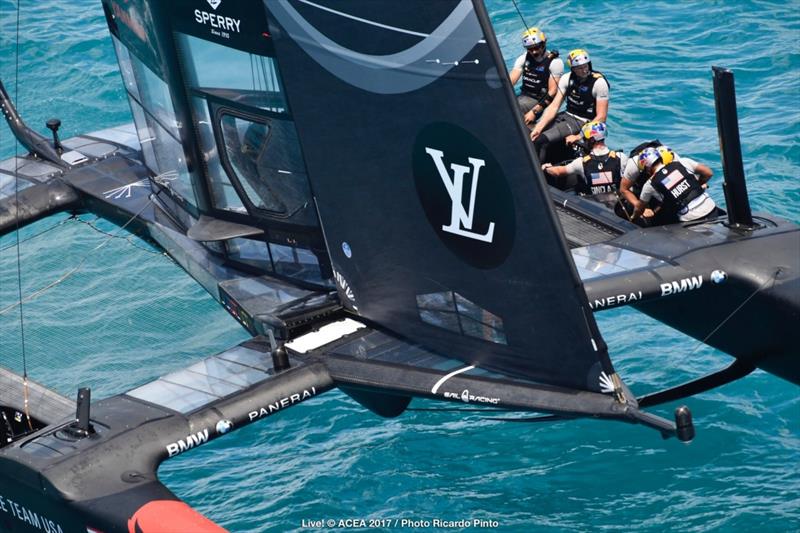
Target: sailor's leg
562 126
525 103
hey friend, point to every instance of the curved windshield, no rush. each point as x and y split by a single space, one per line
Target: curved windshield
245 144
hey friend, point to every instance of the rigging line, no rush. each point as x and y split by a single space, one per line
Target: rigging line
252 73
128 239
520 14
75 269
16 223
725 320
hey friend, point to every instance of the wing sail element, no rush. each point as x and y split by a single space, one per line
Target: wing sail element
437 223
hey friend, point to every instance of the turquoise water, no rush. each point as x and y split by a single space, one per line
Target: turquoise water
128 314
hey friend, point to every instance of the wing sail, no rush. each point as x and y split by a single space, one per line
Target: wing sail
437 223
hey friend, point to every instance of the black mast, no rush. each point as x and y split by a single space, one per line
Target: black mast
728 127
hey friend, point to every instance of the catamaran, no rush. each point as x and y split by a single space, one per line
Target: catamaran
416 252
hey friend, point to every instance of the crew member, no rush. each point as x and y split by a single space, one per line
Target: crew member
540 71
681 194
599 172
633 179
586 92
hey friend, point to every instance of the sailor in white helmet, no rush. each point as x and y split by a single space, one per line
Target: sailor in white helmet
586 92
540 71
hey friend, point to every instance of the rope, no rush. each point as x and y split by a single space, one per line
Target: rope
75 269
520 14
739 307
128 238
19 263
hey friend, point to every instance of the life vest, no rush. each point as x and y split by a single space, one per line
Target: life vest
677 186
536 76
580 101
601 174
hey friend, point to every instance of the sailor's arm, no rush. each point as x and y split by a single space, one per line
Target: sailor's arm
625 189
552 89
516 70
549 114
555 171
600 93
703 173
602 111
641 203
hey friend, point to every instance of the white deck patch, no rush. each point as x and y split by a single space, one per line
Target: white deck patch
324 335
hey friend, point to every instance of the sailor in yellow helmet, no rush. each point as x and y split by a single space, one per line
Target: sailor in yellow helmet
680 194
586 92
599 172
634 177
540 71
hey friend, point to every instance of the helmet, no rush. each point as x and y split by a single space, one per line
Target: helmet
649 157
666 154
594 130
578 57
533 36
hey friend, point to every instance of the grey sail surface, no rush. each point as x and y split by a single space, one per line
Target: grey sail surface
437 225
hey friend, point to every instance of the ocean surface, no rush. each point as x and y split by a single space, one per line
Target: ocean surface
104 309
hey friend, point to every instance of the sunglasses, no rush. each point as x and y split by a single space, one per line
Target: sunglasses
536 46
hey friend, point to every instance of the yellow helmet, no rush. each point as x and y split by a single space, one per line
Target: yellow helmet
532 37
578 57
667 155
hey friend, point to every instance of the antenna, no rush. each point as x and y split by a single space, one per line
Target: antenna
82 427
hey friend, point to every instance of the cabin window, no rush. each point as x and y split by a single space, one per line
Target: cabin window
223 193
295 262
245 144
249 252
288 261
237 76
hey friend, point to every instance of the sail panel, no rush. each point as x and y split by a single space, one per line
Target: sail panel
437 224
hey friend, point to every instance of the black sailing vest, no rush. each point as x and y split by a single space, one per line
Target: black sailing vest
677 186
580 101
601 174
536 76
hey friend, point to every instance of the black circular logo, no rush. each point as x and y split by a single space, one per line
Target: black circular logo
464 194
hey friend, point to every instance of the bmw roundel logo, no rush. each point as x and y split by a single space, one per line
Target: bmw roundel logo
224 426
719 276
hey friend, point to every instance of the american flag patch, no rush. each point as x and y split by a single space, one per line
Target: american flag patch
602 178
672 179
